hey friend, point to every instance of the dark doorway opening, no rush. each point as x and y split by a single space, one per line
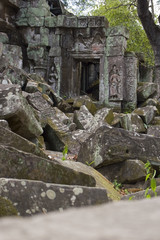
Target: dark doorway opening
90 78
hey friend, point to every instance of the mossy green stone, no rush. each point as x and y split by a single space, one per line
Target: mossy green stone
7 208
4 38
50 21
34 21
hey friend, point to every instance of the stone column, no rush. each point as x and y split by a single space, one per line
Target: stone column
114 66
130 82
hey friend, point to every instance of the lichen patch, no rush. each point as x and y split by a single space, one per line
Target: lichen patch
77 191
51 194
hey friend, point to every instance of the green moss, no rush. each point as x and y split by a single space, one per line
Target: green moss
7 208
109 118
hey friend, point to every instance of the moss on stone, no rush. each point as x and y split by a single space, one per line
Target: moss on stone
7 208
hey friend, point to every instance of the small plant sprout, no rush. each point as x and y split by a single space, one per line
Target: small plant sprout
117 185
65 151
130 198
89 164
151 173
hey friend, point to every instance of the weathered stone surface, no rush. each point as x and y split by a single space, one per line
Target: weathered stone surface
38 101
104 115
117 119
146 113
31 87
152 102
156 121
7 208
4 38
132 171
15 76
4 124
11 139
101 181
132 122
131 79
153 130
22 165
110 145
46 89
134 220
15 109
84 100
129 171
12 55
33 197
83 118
146 90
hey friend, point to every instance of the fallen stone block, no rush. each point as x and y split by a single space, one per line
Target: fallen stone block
15 76
146 90
22 165
129 171
154 130
104 115
84 100
152 102
156 121
11 139
146 113
83 118
132 122
111 145
15 109
33 197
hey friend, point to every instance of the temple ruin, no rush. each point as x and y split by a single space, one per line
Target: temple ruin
75 55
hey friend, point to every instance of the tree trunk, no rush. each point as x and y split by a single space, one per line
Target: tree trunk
153 33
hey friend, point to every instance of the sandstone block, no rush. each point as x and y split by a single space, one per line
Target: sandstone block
19 114
32 197
146 113
111 145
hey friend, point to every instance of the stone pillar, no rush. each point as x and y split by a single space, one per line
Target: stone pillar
130 82
114 66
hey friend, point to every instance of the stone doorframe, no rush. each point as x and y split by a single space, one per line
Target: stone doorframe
80 57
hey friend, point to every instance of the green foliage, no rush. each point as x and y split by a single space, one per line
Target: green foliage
130 198
124 13
117 185
65 151
89 164
151 173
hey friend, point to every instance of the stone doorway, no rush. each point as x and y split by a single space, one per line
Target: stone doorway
89 78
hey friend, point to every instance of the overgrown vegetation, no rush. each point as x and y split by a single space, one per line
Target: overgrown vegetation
65 152
151 173
124 13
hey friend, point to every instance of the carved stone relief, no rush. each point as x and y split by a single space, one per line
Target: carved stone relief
92 43
53 78
115 84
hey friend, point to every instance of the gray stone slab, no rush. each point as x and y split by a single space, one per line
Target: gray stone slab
33 197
